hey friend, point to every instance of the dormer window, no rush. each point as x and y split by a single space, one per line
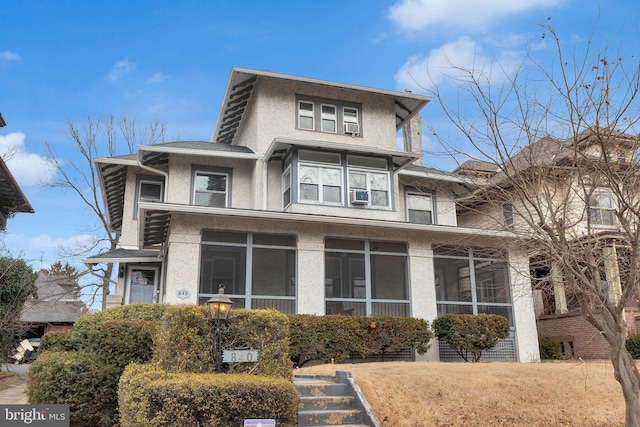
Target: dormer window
211 187
329 116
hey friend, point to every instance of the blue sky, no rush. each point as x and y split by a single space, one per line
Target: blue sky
169 62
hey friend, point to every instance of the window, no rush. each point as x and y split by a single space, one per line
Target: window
420 207
142 285
320 178
148 189
323 115
507 215
601 208
364 277
211 188
329 118
306 115
376 183
256 270
471 281
286 187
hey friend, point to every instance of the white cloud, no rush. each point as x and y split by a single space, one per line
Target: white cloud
46 242
478 15
7 55
157 78
121 68
450 62
27 168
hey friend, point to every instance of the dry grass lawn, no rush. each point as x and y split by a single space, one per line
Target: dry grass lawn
569 393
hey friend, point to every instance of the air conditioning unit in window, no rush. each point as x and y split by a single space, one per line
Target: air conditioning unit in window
359 197
352 128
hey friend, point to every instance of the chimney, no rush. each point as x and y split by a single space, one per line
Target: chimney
412 137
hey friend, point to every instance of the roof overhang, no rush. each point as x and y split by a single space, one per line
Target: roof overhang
10 192
242 82
399 159
159 154
113 175
157 222
125 256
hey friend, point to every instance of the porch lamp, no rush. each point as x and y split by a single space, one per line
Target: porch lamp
219 307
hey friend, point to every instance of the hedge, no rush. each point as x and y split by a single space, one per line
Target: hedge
633 345
150 396
469 335
336 338
550 349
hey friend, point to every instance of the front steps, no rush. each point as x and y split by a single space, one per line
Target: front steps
332 401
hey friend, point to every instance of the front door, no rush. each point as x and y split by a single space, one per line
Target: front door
143 284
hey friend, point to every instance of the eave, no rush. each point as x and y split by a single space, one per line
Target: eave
155 223
10 192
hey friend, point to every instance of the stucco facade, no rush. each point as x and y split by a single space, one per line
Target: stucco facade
302 202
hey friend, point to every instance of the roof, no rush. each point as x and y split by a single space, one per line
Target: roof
52 312
10 192
124 255
242 82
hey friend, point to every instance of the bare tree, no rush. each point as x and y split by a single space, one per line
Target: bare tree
558 165
98 137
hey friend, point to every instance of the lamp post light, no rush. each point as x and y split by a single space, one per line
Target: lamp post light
219 307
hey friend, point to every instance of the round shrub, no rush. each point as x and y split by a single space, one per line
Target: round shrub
56 341
549 349
132 311
122 341
633 345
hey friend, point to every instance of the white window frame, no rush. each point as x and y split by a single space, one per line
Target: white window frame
286 186
349 119
329 117
147 180
320 168
130 270
410 194
204 172
305 113
508 215
597 212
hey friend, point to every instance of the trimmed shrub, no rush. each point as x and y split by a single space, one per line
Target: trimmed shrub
184 340
323 338
550 349
633 345
391 334
469 335
56 341
79 380
122 341
132 311
266 331
150 396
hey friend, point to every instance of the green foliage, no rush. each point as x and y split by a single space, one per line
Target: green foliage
79 380
132 311
121 341
322 338
87 378
184 340
150 396
56 341
633 345
392 334
550 349
470 335
17 283
266 331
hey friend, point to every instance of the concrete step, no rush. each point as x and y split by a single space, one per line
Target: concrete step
319 388
327 402
333 417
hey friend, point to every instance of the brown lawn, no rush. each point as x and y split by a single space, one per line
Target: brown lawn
568 393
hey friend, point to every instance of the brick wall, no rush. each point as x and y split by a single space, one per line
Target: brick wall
573 330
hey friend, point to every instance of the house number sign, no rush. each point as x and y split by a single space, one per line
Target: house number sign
239 356
183 293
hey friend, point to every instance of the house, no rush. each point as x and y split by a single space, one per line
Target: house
57 307
568 182
303 201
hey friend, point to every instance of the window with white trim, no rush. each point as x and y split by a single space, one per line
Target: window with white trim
507 215
370 174
601 209
420 207
148 189
211 188
319 177
329 116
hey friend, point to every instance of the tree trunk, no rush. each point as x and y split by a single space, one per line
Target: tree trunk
626 373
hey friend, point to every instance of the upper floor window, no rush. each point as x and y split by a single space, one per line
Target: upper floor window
148 189
420 207
320 177
323 115
507 215
211 187
601 208
370 175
